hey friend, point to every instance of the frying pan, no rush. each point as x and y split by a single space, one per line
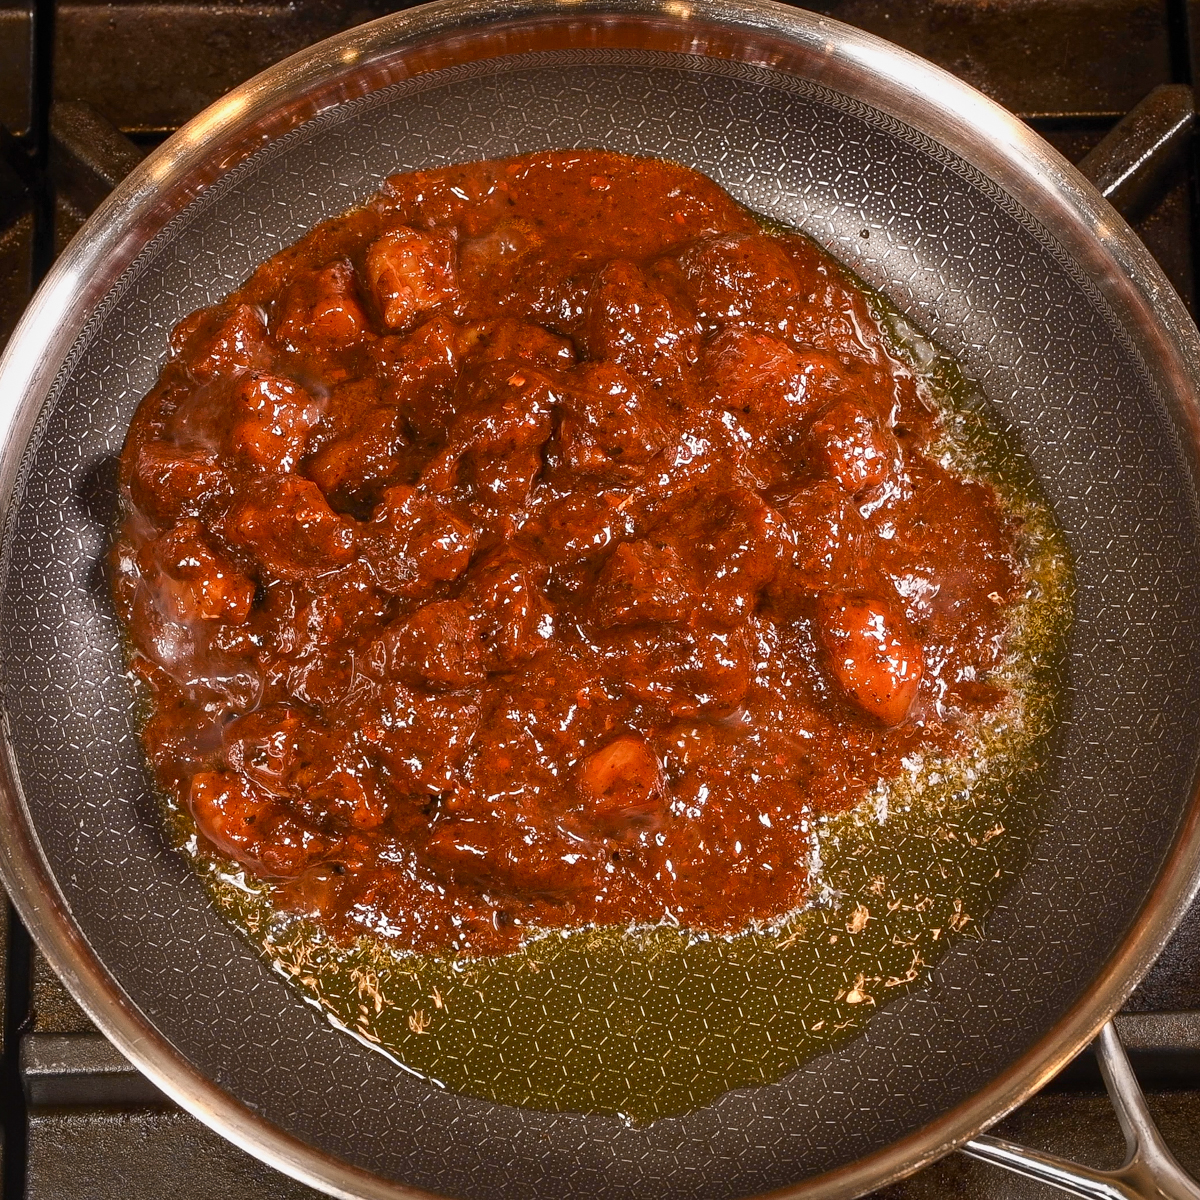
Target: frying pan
971 225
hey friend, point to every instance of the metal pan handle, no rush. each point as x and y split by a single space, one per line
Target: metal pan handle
1150 1171
1137 158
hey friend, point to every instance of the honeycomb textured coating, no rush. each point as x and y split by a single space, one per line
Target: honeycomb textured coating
968 266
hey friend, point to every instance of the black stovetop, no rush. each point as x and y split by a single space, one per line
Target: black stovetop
87 87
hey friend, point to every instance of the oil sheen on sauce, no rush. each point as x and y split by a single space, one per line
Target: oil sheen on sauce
593 646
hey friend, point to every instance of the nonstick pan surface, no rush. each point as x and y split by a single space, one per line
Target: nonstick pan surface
971 225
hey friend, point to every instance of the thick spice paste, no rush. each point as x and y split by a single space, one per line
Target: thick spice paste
547 544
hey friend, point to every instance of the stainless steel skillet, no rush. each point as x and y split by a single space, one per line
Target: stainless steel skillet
972 225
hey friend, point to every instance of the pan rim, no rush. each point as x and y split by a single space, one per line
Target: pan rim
953 114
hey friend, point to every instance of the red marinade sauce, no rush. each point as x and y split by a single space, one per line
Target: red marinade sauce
546 544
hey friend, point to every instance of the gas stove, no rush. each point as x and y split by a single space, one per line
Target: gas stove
87 88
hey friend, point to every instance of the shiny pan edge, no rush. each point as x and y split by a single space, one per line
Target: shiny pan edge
441 34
